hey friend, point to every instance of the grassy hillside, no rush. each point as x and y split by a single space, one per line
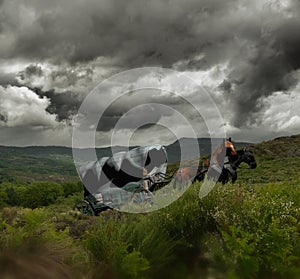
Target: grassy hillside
36 163
278 161
246 230
282 147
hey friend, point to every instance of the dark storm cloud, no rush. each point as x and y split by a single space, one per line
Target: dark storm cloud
3 118
34 70
64 105
135 32
259 42
271 66
8 79
146 106
30 72
132 121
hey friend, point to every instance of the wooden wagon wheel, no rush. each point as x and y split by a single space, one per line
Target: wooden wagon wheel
84 207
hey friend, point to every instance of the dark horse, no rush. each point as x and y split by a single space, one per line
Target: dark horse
229 169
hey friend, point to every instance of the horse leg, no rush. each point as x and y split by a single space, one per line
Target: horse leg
232 172
176 180
199 177
174 183
234 177
182 182
223 177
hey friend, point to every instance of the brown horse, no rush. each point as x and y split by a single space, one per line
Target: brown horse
186 174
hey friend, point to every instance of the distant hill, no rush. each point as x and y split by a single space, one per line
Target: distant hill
36 163
279 147
55 163
188 145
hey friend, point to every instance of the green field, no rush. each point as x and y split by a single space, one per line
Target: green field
246 230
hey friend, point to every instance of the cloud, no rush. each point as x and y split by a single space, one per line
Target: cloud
8 79
278 117
258 39
158 32
282 112
267 71
64 105
243 51
19 106
51 77
133 109
60 135
144 102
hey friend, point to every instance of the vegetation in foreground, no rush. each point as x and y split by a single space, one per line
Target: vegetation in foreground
247 230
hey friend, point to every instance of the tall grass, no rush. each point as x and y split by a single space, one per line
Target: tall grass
246 230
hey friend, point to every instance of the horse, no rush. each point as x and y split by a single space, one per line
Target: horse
192 174
186 174
229 169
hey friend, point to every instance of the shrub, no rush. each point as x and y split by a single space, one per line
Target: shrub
129 245
39 194
70 188
31 244
259 228
3 198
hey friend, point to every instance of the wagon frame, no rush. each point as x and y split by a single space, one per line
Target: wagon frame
133 192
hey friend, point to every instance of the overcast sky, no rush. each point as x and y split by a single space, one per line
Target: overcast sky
246 54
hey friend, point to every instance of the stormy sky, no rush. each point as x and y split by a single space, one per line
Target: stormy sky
246 54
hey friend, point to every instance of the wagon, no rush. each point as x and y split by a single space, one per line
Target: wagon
128 176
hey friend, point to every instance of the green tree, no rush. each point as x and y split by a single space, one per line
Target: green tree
40 194
71 188
3 198
13 196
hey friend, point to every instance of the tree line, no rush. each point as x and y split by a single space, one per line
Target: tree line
36 194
